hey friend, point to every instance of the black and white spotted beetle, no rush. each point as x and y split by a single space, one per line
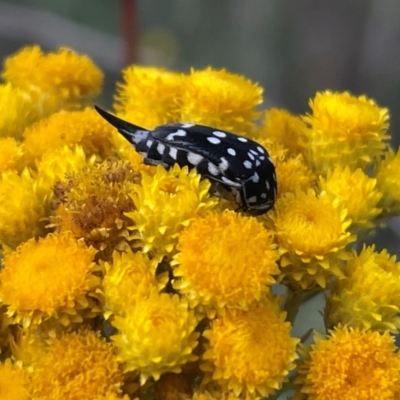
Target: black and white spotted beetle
235 163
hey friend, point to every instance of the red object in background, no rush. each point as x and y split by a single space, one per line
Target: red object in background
129 31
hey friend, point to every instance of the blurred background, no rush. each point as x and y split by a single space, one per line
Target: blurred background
292 48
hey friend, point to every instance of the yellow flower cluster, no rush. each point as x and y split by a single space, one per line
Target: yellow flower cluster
153 96
350 364
121 280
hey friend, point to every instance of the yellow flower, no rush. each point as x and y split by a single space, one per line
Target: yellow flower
64 74
112 396
77 366
251 351
13 382
149 96
356 192
50 278
345 130
369 296
22 208
10 154
70 128
285 128
293 174
352 365
57 164
27 346
17 111
128 277
387 175
165 204
311 233
156 335
92 204
218 266
221 99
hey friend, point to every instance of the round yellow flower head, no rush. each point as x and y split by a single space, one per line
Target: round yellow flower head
285 128
356 192
369 296
63 74
387 175
70 128
221 99
293 174
311 233
13 381
22 208
156 335
351 364
128 277
219 267
17 111
92 204
56 165
165 204
50 278
78 366
151 96
10 154
250 351
345 129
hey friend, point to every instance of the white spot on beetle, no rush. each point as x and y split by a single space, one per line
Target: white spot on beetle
179 132
242 139
194 159
267 185
187 126
250 156
263 195
258 163
253 152
262 158
138 136
213 169
214 140
255 178
252 199
223 165
160 148
173 152
247 164
149 143
260 149
219 134
230 183
231 151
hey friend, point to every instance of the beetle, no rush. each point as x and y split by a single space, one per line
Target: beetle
235 163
